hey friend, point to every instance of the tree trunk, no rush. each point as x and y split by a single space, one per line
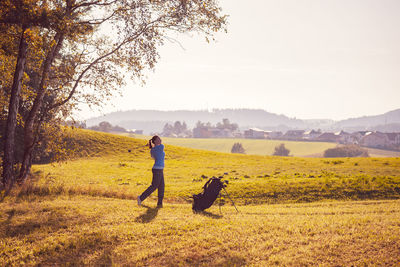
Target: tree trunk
9 136
29 132
30 136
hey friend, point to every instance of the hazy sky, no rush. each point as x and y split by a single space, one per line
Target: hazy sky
306 59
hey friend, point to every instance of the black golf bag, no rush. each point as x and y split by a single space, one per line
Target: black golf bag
211 190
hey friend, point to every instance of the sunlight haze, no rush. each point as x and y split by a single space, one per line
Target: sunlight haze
305 59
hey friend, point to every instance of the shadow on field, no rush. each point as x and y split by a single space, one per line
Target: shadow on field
75 250
233 261
51 219
61 244
209 214
148 216
105 258
215 259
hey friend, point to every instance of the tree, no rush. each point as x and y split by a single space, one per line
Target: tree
227 125
346 151
281 150
87 47
105 126
238 148
9 136
200 124
177 127
20 16
167 130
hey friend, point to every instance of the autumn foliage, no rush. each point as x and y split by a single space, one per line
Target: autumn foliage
56 54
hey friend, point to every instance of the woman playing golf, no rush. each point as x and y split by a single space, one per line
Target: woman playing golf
158 154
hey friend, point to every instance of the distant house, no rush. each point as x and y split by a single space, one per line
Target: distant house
275 135
375 139
221 133
209 132
351 139
394 138
186 134
312 135
237 134
256 133
136 131
361 134
202 132
328 137
294 135
227 133
346 138
356 137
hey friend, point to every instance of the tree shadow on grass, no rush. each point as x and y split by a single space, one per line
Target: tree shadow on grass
75 251
148 216
71 249
209 214
25 225
221 258
233 261
105 258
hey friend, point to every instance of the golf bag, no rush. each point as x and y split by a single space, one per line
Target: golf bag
211 190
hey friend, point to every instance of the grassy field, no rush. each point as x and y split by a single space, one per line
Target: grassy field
113 232
108 169
262 147
252 146
293 211
374 152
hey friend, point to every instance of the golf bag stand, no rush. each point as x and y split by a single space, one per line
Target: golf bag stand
233 203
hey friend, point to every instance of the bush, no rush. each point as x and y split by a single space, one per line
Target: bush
281 150
238 148
346 151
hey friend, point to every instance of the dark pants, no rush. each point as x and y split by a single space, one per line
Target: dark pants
156 183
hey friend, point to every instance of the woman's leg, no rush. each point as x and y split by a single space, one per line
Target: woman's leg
154 185
161 187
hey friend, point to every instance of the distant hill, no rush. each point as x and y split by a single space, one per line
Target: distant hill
387 122
154 120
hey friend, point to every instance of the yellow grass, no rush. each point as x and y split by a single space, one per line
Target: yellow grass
83 211
97 231
115 172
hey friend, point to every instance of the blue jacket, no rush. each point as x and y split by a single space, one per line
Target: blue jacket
158 154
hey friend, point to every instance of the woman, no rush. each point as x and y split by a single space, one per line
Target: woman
158 154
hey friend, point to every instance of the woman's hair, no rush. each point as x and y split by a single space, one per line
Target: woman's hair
154 138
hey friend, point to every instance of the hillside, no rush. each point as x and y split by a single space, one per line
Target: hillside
387 122
254 179
83 211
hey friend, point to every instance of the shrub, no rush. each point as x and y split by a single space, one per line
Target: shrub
346 151
238 148
281 150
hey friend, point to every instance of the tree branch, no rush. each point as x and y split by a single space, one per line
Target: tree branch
93 3
128 40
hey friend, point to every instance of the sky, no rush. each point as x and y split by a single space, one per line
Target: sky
310 59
